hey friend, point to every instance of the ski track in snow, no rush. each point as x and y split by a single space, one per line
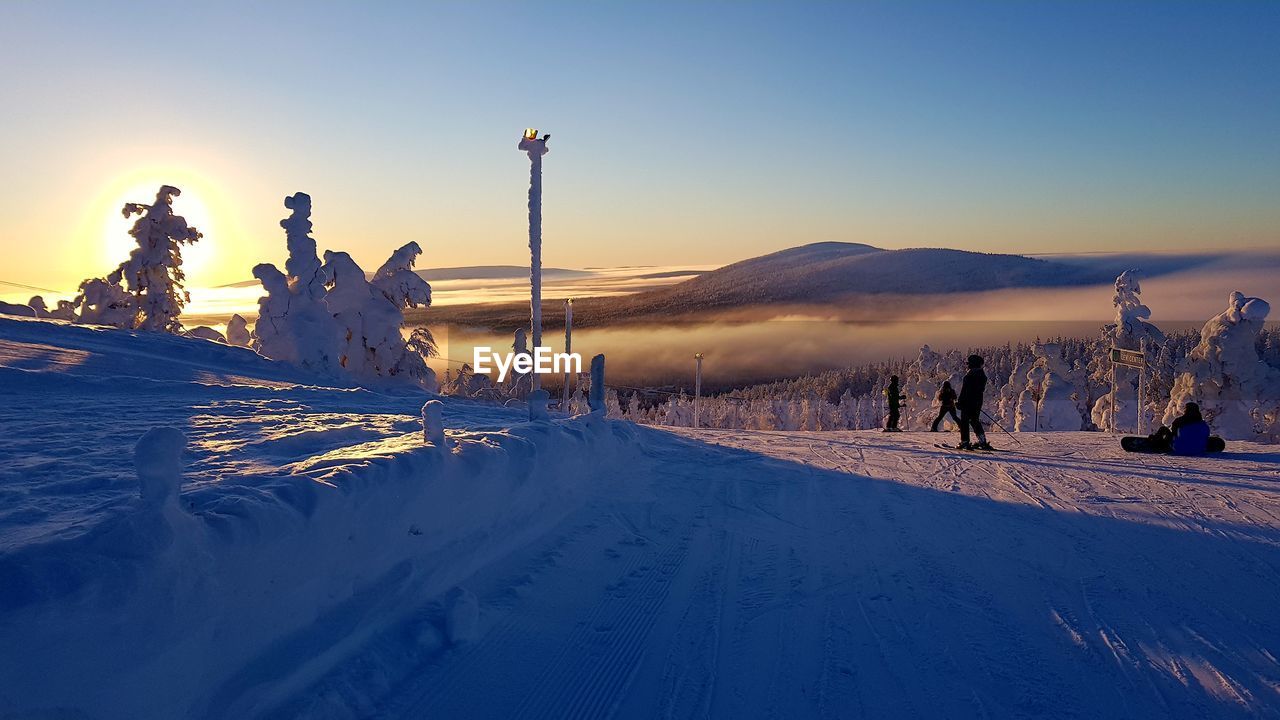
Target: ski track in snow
849 575
730 574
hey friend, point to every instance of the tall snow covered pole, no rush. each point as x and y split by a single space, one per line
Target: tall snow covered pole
697 387
1113 396
535 148
568 348
1142 344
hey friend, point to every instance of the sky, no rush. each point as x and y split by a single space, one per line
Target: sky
682 133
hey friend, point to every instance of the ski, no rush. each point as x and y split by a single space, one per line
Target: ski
977 451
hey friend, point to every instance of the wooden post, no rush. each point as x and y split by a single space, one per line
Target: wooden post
697 387
568 348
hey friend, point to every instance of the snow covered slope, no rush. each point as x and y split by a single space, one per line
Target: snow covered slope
324 563
861 575
311 515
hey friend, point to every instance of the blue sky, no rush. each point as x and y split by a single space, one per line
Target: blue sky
681 133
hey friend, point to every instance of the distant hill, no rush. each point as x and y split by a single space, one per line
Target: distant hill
830 271
825 273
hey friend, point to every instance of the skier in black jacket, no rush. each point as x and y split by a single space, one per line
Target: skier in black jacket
970 404
895 398
946 404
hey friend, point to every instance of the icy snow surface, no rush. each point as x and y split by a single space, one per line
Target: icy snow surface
325 563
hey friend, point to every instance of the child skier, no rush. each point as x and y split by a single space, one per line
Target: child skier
895 398
970 404
946 404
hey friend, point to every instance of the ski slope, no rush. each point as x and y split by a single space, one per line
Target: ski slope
860 575
328 564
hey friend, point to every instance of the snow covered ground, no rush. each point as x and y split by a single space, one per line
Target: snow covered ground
324 563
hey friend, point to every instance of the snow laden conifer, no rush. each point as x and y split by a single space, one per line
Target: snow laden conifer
329 318
145 292
1131 330
1238 393
294 325
1050 399
370 321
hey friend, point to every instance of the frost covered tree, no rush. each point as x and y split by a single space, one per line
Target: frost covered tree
1050 398
329 318
371 318
1238 393
923 378
303 265
294 325
519 385
467 383
405 289
104 301
145 292
1131 330
153 271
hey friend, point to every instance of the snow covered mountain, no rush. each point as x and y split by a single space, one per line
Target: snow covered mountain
819 273
830 271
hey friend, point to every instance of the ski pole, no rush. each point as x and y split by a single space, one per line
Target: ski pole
1006 432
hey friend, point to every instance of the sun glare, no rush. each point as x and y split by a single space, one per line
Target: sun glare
115 241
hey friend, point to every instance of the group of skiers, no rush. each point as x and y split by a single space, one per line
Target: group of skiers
1189 434
968 402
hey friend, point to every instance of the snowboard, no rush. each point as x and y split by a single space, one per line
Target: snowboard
1139 444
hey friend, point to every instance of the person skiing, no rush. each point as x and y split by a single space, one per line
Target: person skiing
895 398
1188 436
970 404
946 404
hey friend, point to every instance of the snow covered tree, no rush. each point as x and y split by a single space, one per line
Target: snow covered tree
467 383
1132 330
1238 393
370 319
303 265
294 325
145 292
518 385
329 318
1050 399
104 301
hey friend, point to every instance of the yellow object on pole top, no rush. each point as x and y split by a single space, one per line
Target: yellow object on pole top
530 134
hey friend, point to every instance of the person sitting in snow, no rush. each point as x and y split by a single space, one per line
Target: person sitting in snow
970 404
895 397
1188 436
946 404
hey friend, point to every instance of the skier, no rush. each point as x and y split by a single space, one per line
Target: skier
970 404
947 404
895 397
1188 436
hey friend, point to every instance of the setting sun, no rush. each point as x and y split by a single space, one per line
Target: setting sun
111 234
